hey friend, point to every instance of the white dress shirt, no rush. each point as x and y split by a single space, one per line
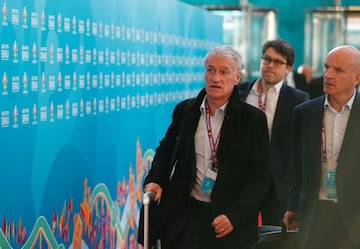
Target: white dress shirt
335 126
272 96
202 147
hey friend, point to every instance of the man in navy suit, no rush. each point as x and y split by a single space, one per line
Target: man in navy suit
325 174
270 94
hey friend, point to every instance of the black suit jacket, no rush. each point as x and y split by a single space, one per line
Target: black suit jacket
304 191
281 134
243 176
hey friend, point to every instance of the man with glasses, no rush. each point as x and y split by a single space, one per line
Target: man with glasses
270 94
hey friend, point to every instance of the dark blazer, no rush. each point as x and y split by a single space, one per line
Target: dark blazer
304 192
281 134
243 176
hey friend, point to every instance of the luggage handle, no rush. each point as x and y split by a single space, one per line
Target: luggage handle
148 197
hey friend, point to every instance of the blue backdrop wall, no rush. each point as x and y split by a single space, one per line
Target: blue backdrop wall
87 90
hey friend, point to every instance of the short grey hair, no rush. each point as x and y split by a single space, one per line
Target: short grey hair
226 51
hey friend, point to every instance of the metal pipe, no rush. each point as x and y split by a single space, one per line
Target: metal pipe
147 198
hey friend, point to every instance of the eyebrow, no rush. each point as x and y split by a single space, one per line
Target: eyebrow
268 56
221 67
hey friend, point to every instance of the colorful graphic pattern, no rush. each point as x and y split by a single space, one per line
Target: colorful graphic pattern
101 221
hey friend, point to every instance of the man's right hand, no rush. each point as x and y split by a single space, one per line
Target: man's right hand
291 220
154 187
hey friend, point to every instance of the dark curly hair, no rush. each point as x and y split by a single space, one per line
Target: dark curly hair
283 48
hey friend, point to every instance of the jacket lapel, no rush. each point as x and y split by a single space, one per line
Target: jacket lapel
314 125
244 89
352 135
281 107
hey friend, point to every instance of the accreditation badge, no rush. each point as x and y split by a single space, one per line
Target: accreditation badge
209 180
330 175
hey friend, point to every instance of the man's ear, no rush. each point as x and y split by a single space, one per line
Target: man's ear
289 68
237 77
357 79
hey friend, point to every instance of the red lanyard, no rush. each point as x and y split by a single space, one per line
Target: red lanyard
323 147
213 144
262 105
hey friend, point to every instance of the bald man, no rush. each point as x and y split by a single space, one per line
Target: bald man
325 173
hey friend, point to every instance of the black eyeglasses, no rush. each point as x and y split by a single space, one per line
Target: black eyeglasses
277 63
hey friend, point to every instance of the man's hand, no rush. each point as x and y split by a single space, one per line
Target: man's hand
222 226
154 187
291 220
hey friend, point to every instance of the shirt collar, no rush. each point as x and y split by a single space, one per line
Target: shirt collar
202 106
277 86
348 104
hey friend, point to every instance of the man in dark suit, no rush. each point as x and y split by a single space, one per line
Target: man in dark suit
211 198
325 172
277 100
